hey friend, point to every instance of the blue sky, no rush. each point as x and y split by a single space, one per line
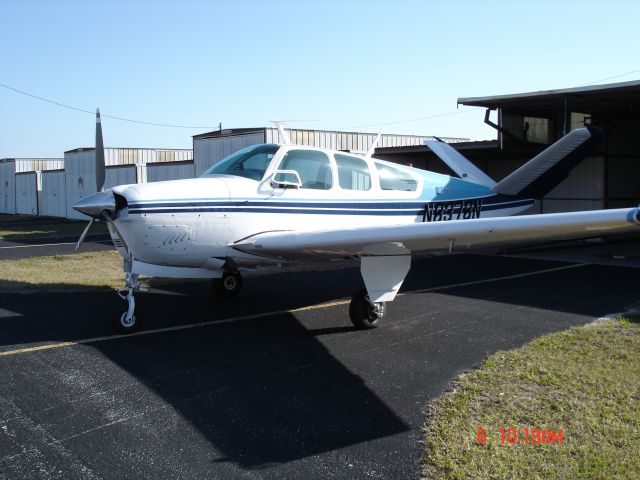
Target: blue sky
343 64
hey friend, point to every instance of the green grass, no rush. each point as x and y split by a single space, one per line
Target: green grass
82 270
22 229
584 381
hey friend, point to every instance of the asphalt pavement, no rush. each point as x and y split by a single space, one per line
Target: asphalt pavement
12 250
274 383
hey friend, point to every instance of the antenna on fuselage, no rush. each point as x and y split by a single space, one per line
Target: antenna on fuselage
284 136
373 145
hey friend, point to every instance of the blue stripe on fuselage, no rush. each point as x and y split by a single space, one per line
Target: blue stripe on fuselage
325 208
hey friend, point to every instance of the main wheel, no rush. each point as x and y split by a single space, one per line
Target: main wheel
119 320
229 285
363 314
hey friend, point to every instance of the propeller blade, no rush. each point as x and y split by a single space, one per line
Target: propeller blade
84 234
100 168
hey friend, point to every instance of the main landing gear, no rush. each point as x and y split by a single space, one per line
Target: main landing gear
364 313
229 285
124 318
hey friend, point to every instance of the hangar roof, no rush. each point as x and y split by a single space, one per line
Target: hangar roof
612 97
228 132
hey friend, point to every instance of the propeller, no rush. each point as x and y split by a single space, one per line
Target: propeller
84 234
100 174
100 168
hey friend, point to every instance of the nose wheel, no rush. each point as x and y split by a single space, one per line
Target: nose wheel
364 313
121 321
229 285
124 318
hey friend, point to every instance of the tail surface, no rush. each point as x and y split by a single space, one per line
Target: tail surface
542 173
458 163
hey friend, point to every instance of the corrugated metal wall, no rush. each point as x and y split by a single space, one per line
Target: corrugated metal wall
141 156
7 187
209 151
120 175
355 142
583 189
38 164
52 198
27 193
80 178
124 166
159 172
623 184
623 164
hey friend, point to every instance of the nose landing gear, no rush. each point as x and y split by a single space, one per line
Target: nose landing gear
124 318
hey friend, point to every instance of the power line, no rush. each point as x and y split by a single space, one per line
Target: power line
466 110
103 115
611 78
439 115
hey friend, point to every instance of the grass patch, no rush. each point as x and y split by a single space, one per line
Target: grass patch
583 381
34 229
82 270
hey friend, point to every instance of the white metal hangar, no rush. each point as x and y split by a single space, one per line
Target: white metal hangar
528 122
46 186
123 166
20 181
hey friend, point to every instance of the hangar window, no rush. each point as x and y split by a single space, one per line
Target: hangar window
536 130
579 120
395 179
353 173
312 166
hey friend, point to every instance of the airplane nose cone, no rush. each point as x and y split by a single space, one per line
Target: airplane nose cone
97 204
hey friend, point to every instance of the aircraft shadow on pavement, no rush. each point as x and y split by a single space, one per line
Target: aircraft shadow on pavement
262 391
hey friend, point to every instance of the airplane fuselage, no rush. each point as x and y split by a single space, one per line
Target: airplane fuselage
188 222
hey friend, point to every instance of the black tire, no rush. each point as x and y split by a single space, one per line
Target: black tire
229 285
118 319
362 314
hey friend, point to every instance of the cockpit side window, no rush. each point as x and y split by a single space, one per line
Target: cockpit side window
249 162
353 172
313 167
395 179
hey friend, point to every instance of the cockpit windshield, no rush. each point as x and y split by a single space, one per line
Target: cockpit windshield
250 162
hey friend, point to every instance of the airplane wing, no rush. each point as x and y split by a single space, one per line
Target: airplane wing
438 236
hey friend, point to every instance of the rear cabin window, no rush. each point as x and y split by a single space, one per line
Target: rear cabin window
395 179
353 173
312 166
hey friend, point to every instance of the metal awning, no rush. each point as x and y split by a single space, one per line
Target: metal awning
614 97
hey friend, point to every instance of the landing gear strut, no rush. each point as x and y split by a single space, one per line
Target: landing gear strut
229 285
124 319
364 313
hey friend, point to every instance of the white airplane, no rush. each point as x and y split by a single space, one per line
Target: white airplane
279 203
